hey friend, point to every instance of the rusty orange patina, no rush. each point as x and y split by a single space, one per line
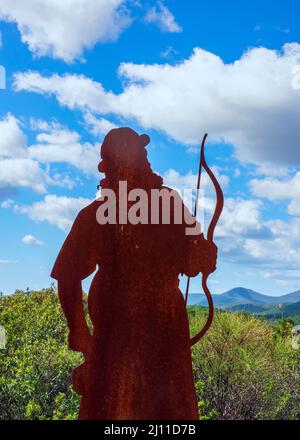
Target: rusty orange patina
138 358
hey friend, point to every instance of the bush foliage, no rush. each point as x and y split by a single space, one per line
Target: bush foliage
244 368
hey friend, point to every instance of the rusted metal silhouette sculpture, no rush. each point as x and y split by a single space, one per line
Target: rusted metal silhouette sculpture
138 358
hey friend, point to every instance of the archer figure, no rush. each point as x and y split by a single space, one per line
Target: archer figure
138 357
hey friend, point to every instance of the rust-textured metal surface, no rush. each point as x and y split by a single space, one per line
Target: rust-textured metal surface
138 359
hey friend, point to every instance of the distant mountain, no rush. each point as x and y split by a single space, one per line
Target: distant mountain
271 312
285 310
254 309
292 309
291 297
239 296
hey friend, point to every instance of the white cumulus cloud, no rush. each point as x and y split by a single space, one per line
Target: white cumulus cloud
22 173
282 252
249 103
274 189
245 238
8 203
163 18
22 165
98 126
61 145
64 28
56 210
174 179
31 240
17 168
12 139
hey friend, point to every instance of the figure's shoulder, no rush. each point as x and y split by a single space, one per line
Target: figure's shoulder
88 213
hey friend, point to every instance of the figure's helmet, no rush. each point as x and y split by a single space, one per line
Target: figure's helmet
124 158
123 153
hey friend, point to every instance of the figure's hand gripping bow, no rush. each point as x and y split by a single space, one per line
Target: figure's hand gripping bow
210 237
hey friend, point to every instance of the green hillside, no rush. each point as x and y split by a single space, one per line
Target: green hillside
286 311
244 368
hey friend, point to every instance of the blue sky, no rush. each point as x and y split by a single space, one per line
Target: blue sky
76 69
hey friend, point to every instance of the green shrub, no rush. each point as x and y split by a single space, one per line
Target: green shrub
35 367
244 368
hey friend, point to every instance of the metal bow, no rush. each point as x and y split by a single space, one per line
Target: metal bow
210 237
